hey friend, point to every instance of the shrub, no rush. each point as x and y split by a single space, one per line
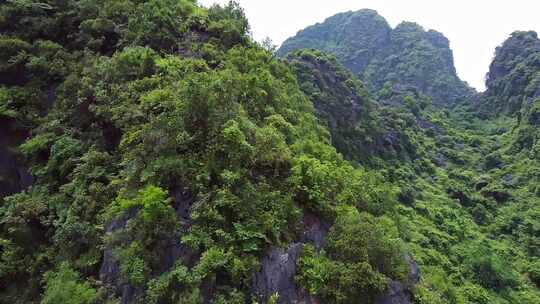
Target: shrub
363 252
64 286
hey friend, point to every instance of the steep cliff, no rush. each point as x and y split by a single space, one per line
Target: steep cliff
513 80
14 176
361 128
354 37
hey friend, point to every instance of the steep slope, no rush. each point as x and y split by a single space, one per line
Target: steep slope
469 206
341 101
173 160
361 128
407 56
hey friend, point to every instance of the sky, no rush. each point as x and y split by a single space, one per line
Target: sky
474 27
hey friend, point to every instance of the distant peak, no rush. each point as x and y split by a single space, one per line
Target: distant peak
359 16
409 26
367 11
522 39
524 35
408 55
513 51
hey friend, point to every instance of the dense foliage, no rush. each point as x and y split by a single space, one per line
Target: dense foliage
362 253
168 151
151 152
341 101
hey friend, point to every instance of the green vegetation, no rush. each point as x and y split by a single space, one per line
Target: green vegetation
64 286
513 76
145 99
468 199
170 153
362 253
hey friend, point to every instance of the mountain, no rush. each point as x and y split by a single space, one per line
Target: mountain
152 152
407 56
361 128
354 37
467 191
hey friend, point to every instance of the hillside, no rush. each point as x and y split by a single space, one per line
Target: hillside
468 207
466 177
152 152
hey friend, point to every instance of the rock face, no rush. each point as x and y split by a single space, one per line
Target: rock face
14 177
340 100
315 230
277 275
172 252
518 47
278 267
396 294
360 127
407 55
354 37
109 272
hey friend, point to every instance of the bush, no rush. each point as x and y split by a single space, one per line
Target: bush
339 282
64 286
493 160
534 272
363 252
407 195
490 269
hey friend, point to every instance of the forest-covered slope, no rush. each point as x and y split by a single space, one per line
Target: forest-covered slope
151 152
469 209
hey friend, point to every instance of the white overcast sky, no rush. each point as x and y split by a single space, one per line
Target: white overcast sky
474 27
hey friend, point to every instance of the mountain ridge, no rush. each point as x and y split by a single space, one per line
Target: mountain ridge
373 57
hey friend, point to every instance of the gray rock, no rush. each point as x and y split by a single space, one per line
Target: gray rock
315 230
172 249
279 266
277 275
109 272
401 292
183 199
440 160
508 179
414 271
459 146
396 294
